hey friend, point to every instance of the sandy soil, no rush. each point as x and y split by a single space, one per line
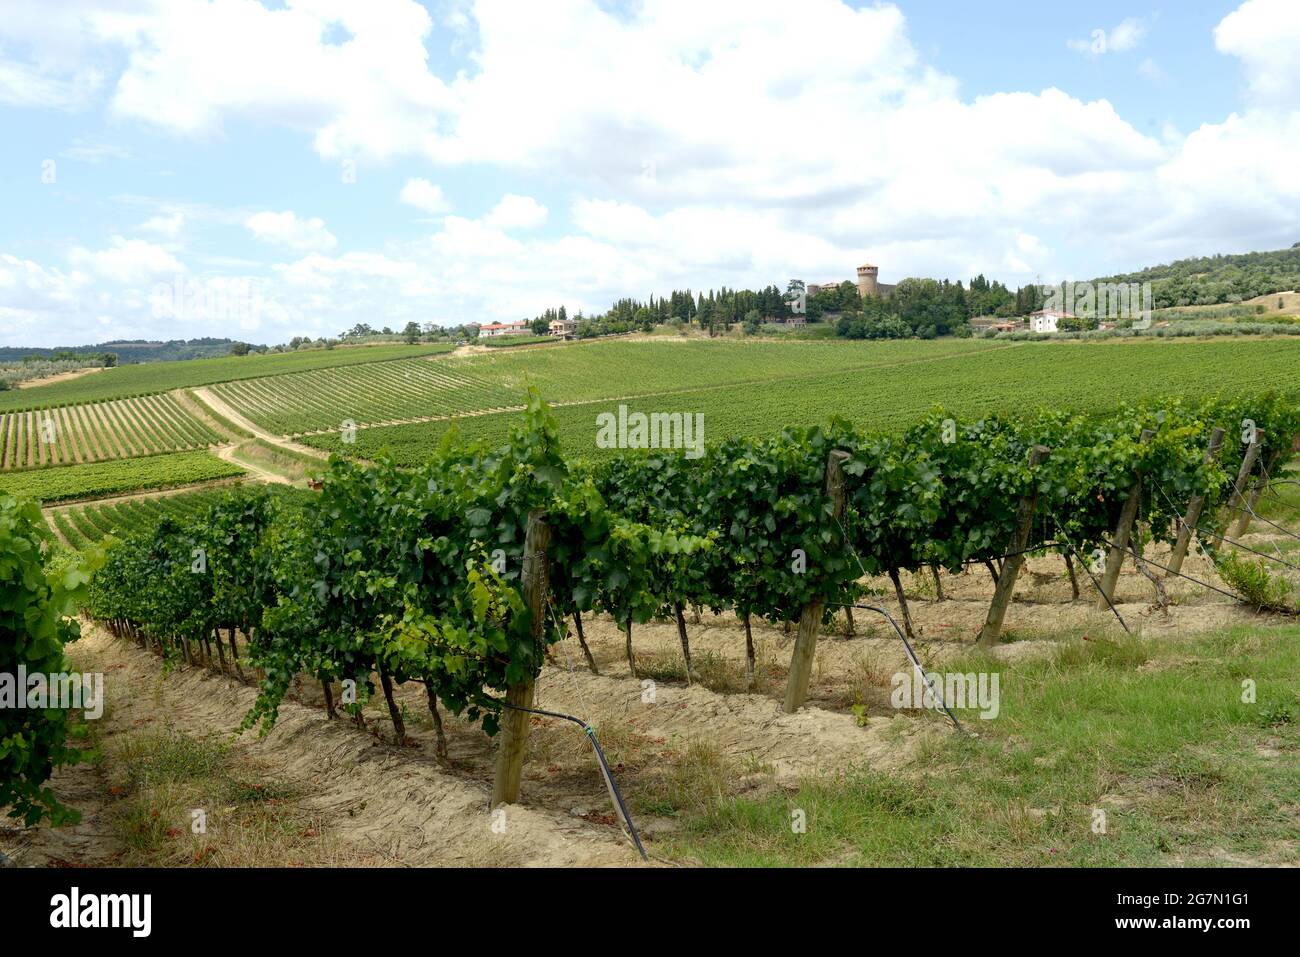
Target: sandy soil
379 803
228 453
60 377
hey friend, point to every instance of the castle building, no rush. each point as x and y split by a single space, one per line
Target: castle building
869 282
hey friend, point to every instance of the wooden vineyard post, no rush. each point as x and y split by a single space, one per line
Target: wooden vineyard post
810 621
1243 476
1250 501
992 629
1123 529
1193 515
514 724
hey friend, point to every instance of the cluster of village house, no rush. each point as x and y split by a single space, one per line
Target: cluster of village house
1044 320
559 328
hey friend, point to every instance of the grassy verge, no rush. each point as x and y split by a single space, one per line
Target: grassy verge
203 410
1152 738
292 464
185 801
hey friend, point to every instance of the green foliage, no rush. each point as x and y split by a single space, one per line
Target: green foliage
1254 581
68 482
35 624
416 574
1214 279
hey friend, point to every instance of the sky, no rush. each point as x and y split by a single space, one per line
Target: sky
260 170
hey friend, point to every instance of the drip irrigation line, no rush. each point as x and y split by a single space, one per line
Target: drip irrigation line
916 663
614 793
1088 571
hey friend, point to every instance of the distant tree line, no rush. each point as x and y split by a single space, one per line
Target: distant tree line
1210 280
924 308
715 311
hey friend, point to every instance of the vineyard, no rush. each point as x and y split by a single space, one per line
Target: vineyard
375 392
571 373
898 389
462 575
447 575
99 479
89 523
64 435
148 378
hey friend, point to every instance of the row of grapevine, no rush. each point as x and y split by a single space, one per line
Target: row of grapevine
101 479
39 597
893 395
375 392
130 379
416 575
72 434
91 522
418 389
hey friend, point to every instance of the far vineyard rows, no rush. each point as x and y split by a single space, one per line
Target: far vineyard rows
90 523
101 479
1074 377
94 432
375 392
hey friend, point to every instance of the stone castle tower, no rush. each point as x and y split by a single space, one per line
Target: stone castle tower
867 276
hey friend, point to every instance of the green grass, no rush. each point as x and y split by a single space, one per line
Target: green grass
903 383
159 779
148 377
67 482
1155 733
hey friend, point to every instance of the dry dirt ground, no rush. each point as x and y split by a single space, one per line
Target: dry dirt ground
59 377
369 801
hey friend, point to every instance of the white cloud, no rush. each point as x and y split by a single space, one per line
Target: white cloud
286 229
1265 36
425 196
127 260
517 212
693 149
1125 36
168 225
191 63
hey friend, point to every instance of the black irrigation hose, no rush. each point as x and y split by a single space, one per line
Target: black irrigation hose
614 792
938 696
